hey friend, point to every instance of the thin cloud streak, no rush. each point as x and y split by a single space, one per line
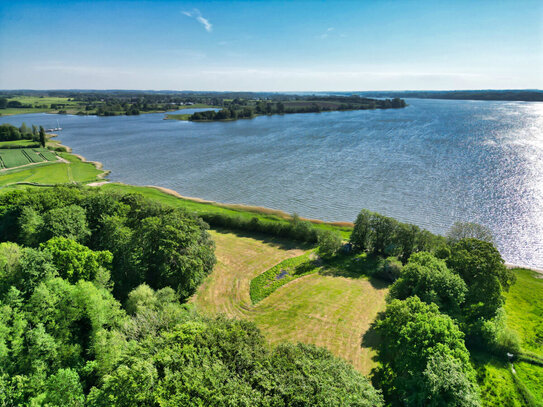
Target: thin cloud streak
327 33
198 17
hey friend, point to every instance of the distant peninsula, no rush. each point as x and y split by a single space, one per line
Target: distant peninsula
242 108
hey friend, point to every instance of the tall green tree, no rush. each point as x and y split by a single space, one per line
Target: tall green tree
361 234
42 136
74 261
422 356
482 268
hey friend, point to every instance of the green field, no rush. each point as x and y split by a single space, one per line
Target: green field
40 105
19 144
10 158
524 308
48 173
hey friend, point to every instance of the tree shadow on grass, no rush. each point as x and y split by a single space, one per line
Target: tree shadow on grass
278 242
371 339
356 266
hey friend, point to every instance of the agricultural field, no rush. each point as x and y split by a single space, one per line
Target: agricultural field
331 309
10 158
41 104
48 173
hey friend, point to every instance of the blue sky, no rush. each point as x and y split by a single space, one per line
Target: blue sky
271 46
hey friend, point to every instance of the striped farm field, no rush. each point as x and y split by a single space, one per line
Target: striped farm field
10 158
333 311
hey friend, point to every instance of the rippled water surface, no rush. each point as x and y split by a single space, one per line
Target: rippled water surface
430 164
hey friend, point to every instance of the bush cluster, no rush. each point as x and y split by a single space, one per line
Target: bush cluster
295 228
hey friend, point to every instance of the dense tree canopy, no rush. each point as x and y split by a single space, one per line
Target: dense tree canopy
162 246
423 359
482 268
429 279
386 236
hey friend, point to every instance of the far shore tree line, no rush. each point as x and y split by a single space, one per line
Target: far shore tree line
243 109
232 105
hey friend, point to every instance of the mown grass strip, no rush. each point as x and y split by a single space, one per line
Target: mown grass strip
280 274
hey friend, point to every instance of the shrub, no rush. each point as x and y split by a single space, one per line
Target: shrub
329 243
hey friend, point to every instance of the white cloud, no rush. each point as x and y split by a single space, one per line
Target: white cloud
198 17
327 32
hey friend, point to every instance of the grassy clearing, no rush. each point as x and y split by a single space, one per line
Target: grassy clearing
326 310
333 312
240 258
524 308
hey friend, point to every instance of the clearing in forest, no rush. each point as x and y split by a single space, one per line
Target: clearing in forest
330 311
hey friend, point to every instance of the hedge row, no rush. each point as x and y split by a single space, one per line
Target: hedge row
295 229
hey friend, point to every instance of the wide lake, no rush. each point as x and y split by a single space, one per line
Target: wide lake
432 163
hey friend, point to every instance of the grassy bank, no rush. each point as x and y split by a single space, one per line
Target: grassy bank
524 312
524 307
238 212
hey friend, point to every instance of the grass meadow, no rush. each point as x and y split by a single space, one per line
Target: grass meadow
327 310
